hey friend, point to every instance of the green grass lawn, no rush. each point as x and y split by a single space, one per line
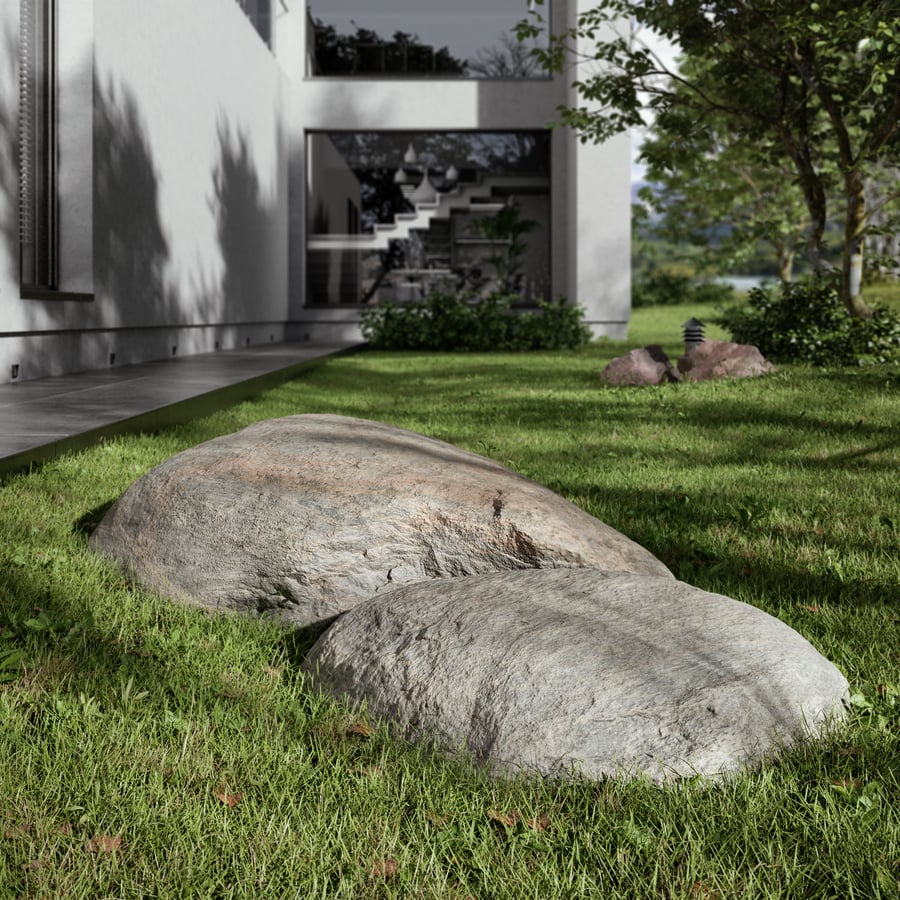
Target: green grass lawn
886 293
153 751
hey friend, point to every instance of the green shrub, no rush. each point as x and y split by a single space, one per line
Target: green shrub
554 327
664 288
447 322
807 322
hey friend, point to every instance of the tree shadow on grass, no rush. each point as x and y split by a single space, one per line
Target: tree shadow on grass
714 541
752 427
66 644
87 524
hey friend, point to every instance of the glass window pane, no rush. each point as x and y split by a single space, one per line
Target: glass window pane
392 215
421 38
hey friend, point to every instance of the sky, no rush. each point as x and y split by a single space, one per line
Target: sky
667 53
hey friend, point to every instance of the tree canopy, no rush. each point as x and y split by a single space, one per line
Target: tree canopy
710 187
813 84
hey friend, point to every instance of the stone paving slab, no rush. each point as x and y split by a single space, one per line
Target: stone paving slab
46 417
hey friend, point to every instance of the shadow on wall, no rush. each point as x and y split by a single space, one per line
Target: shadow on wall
244 222
9 153
131 251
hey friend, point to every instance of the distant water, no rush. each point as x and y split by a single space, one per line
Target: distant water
745 282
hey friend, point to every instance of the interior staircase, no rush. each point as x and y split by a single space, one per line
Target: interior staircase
471 196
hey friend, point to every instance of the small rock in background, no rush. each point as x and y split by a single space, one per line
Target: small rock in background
723 359
709 359
646 365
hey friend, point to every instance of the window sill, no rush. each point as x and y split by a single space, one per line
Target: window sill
37 293
424 76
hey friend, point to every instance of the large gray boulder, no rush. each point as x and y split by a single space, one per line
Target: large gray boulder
560 670
303 517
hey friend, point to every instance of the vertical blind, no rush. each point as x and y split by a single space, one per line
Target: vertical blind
37 143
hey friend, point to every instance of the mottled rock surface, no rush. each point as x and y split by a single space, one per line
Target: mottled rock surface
723 359
645 365
303 517
560 670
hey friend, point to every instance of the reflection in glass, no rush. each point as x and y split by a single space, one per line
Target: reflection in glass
392 215
420 38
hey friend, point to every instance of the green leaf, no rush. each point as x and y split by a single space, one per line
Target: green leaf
10 662
860 701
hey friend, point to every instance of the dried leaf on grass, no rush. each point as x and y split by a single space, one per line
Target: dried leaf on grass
846 783
385 868
437 820
536 823
230 800
360 729
104 843
851 750
507 819
34 865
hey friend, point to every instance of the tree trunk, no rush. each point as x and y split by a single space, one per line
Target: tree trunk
390 259
854 239
785 254
813 193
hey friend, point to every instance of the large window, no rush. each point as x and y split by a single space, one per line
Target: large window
420 38
37 144
392 215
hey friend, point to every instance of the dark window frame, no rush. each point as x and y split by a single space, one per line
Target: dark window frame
38 147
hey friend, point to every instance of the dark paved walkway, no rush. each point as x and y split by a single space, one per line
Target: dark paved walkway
43 418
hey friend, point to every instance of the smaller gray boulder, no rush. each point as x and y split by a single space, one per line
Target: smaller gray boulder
646 365
723 359
575 669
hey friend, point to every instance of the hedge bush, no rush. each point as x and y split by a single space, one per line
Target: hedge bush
808 322
448 322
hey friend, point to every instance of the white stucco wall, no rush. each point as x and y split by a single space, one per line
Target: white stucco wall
182 179
590 193
599 211
173 189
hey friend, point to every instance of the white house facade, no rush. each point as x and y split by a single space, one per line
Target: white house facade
184 177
